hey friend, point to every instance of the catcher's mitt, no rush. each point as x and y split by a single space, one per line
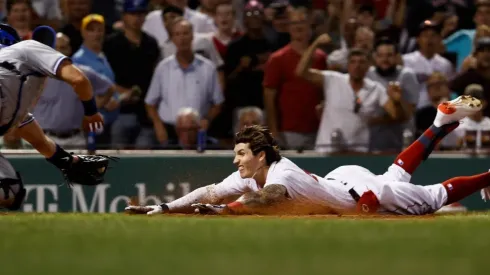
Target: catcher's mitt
88 170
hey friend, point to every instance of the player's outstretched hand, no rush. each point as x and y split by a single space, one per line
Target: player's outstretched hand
94 123
485 194
148 209
210 209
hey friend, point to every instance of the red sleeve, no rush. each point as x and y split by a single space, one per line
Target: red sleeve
272 73
320 62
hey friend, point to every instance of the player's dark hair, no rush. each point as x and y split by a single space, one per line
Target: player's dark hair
385 41
10 3
259 139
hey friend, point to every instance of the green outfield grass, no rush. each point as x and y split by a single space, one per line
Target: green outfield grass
71 244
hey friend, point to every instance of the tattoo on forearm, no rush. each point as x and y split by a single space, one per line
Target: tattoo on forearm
269 195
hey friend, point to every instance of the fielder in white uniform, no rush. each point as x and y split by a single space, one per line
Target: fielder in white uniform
267 183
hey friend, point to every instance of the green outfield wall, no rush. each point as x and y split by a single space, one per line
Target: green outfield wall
155 179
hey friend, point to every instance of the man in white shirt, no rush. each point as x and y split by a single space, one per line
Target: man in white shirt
154 24
201 43
267 183
351 101
425 61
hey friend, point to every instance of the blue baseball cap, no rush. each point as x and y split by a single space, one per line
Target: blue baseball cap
135 5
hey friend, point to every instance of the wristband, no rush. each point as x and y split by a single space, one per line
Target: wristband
61 158
89 107
164 207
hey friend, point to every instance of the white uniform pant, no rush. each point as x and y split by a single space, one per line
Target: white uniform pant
393 189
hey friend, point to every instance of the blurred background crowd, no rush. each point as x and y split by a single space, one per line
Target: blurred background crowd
187 74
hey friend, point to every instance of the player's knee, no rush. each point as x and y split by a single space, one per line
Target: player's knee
12 193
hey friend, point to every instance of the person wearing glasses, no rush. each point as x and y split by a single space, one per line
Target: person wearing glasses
351 100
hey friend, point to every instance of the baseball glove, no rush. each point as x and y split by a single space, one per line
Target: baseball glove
88 170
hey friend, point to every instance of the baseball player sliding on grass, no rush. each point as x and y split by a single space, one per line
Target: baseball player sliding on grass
24 66
267 183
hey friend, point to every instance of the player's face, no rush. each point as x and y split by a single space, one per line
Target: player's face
134 20
168 18
482 15
299 29
225 17
94 33
247 163
182 36
364 40
187 129
483 58
63 46
249 119
19 13
357 67
428 40
385 57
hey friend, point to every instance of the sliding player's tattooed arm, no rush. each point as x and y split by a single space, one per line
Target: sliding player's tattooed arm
259 202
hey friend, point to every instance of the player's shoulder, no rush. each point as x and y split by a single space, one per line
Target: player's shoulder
206 63
334 74
28 45
154 15
166 62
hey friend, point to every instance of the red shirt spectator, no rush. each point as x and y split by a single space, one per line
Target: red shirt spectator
297 98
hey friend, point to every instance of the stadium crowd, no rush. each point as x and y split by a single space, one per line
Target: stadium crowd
186 74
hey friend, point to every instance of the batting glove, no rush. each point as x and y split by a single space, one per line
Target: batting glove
148 210
210 209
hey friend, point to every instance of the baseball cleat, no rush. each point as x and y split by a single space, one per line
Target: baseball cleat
457 109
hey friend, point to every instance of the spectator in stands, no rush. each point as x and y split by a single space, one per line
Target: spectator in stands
156 4
187 127
133 55
154 25
76 10
474 131
480 75
350 101
366 16
290 101
277 30
245 60
438 91
208 7
461 42
385 133
227 31
364 39
470 61
59 112
47 12
182 80
425 61
19 16
90 54
248 116
201 43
